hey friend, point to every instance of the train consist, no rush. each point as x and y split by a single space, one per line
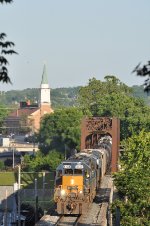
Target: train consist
78 178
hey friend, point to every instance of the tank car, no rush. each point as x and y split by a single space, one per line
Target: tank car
78 178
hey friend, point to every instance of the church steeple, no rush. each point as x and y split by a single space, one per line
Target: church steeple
44 76
44 90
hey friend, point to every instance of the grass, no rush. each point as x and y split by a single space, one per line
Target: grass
28 179
7 178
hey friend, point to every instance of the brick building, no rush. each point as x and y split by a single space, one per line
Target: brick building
28 115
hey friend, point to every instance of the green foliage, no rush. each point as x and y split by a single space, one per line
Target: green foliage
6 1
60 97
98 97
15 96
133 181
41 162
4 50
3 114
60 129
130 213
114 99
64 97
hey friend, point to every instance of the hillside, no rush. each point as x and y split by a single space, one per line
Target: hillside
60 96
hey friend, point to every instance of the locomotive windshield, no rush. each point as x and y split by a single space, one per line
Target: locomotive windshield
72 168
78 171
68 171
71 171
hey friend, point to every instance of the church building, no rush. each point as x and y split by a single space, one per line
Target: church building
30 115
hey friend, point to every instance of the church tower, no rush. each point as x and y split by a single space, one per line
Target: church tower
44 89
45 100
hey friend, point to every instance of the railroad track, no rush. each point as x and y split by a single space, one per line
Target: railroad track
68 220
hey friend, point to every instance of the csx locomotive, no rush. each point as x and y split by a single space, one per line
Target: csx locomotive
78 178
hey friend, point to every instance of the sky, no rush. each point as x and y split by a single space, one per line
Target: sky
77 40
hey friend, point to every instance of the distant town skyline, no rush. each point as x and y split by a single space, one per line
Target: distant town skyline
77 40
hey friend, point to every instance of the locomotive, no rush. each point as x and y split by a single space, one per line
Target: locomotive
78 178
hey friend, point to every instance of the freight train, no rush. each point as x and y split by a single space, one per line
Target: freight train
79 177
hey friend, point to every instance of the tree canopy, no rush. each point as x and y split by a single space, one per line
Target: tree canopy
58 135
3 114
112 98
61 130
41 162
133 181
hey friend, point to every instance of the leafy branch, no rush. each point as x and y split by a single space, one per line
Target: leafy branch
3 61
5 48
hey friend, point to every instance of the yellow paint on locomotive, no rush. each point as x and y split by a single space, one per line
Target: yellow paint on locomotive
72 183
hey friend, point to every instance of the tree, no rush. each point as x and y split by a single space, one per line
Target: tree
112 98
3 114
61 130
92 96
5 48
6 1
133 181
43 162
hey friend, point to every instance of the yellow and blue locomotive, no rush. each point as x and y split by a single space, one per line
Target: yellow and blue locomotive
78 178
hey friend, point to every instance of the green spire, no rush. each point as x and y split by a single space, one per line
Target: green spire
44 76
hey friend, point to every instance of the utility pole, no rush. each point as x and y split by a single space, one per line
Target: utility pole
19 180
36 201
13 157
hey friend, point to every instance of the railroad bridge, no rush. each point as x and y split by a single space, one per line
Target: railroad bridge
92 129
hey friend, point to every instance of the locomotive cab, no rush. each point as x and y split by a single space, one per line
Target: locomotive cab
69 178
73 183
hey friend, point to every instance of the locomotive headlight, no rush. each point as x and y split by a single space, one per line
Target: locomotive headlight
81 195
63 192
72 181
